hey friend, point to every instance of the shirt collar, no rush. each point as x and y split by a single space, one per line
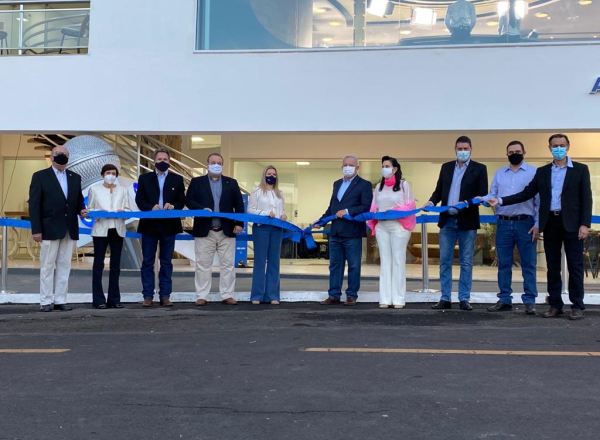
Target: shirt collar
349 180
523 167
57 172
466 164
569 164
162 175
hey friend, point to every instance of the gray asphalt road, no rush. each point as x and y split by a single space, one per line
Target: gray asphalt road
224 372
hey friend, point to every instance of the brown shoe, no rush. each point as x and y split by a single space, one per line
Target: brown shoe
147 302
230 302
576 314
330 301
166 302
553 313
350 301
201 302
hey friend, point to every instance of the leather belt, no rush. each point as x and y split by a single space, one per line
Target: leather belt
515 217
216 229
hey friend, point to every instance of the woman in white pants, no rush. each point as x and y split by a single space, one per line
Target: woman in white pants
392 193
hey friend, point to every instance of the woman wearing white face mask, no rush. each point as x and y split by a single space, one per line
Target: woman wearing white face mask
392 193
108 232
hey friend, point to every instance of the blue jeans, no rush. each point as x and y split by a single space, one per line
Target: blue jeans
149 247
511 233
449 234
267 251
342 249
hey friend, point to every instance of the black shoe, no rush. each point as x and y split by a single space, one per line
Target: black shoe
101 306
62 307
576 314
47 308
500 307
115 306
464 305
442 305
530 309
553 313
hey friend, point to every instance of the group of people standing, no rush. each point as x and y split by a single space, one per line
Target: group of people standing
555 199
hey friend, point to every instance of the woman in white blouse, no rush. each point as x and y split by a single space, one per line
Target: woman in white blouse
108 232
266 200
392 193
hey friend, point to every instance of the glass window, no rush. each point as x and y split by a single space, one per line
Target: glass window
294 24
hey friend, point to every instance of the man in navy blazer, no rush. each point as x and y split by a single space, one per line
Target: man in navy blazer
352 195
160 190
217 193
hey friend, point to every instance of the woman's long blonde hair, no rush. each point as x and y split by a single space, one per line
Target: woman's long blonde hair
263 181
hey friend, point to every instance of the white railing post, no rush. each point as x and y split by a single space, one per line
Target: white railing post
425 261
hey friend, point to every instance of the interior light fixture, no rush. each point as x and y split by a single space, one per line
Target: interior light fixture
303 164
335 23
380 8
541 15
423 17
197 139
19 19
585 2
521 8
327 39
405 32
492 23
320 10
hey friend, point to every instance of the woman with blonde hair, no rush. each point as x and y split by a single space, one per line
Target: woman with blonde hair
266 200
392 194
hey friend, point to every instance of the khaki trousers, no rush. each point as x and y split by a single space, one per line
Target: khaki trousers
205 249
55 267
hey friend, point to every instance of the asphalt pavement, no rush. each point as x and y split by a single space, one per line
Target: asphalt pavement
250 372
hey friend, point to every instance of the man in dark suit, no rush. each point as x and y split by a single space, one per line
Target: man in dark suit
55 201
157 191
565 218
217 193
460 180
352 195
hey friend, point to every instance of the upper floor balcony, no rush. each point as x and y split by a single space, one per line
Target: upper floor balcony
310 24
49 27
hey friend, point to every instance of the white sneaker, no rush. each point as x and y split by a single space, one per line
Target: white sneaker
275 302
383 306
256 303
398 306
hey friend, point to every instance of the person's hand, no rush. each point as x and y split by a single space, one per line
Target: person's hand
283 217
583 232
238 230
84 213
37 238
535 233
272 214
156 208
341 213
493 201
314 224
168 206
120 210
429 204
376 210
208 209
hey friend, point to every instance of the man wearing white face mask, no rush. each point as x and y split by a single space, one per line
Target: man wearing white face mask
217 193
352 195
460 180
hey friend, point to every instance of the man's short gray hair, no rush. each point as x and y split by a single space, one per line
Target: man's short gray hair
353 157
162 150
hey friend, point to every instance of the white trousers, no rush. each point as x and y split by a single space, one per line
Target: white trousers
55 267
205 249
392 240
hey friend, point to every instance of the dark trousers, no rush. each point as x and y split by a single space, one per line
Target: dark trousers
555 236
149 247
115 242
265 276
342 249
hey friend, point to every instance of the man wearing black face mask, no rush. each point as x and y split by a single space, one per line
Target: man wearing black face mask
161 190
518 225
55 201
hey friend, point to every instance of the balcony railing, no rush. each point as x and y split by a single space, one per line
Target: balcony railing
51 27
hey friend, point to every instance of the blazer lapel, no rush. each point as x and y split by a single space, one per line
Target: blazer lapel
469 170
208 190
570 172
350 188
55 180
549 179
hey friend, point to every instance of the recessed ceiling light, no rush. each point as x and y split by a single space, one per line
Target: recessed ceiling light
548 18
492 23
320 10
303 164
541 15
335 23
405 32
197 139
19 19
585 2
327 39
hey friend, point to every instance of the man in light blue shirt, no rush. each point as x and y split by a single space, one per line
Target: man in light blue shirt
518 226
